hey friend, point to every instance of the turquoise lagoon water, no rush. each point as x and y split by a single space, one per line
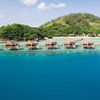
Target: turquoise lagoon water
50 75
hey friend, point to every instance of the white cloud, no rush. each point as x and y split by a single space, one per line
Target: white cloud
29 2
60 5
44 6
1 16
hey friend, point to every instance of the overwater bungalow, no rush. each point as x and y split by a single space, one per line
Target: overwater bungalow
69 45
32 45
11 45
88 45
51 45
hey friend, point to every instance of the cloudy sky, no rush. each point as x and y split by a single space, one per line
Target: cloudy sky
37 12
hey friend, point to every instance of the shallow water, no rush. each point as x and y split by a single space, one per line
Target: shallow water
49 76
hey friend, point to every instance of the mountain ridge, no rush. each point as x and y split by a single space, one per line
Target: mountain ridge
75 23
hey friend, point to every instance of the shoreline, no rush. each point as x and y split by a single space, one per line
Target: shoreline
61 44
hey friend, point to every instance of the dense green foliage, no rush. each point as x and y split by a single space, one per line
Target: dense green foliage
19 32
77 24
73 23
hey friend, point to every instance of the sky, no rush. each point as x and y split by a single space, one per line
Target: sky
37 12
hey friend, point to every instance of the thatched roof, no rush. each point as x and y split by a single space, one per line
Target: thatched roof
11 43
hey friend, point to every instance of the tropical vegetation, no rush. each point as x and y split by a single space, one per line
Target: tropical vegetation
20 32
77 24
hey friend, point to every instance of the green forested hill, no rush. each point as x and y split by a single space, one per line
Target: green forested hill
77 24
20 32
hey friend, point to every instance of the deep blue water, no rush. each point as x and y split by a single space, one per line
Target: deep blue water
61 76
